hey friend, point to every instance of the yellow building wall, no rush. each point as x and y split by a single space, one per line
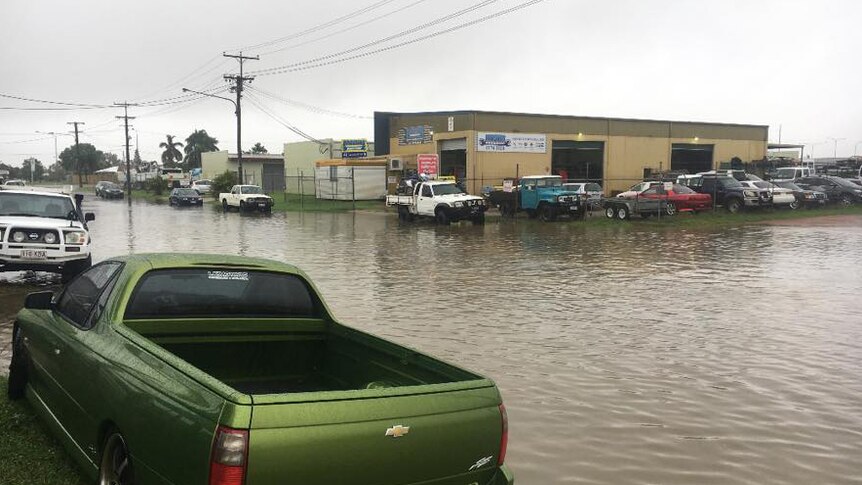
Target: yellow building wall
625 157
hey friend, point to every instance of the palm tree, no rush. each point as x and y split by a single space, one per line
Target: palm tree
198 142
171 154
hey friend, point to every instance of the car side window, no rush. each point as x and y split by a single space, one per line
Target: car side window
650 191
81 295
426 191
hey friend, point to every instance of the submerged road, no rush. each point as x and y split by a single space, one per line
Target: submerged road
625 354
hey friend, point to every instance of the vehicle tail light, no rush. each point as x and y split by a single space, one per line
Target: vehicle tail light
504 438
229 457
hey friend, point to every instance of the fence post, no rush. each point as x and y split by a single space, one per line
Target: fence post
353 185
301 191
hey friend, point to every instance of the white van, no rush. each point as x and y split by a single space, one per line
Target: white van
792 173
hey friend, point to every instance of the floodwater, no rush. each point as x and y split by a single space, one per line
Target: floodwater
625 354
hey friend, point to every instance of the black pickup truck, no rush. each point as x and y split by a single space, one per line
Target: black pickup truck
726 191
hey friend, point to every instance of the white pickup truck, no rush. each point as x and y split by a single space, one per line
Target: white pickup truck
246 198
444 201
43 230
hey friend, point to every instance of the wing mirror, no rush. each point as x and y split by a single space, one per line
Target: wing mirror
89 216
42 300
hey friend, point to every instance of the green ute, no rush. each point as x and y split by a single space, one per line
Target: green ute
205 369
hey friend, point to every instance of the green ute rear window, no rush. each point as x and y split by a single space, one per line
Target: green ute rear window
177 293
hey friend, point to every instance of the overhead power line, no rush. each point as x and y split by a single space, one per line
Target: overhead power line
257 104
319 27
306 65
45 101
342 31
403 33
308 107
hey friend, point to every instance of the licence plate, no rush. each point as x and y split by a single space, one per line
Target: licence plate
33 254
573 208
262 204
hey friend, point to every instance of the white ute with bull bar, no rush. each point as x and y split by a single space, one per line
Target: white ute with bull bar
442 200
44 230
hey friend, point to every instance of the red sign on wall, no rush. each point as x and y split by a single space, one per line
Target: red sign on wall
428 164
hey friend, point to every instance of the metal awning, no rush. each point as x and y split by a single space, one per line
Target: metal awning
782 146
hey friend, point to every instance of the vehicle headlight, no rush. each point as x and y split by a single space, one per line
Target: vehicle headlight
18 236
75 237
809 196
750 193
50 238
458 204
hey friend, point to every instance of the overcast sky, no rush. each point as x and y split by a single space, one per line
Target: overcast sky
776 62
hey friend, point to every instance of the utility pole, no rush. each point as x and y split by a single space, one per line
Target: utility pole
238 81
126 119
77 153
836 140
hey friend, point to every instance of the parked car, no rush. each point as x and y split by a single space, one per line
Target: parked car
679 198
43 231
781 197
109 190
246 198
540 196
805 197
203 186
730 193
791 173
444 201
196 369
593 192
837 189
638 188
14 183
181 197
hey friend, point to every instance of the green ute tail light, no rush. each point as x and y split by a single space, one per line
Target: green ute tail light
229 457
504 439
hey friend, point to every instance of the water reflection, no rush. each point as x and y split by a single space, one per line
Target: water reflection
625 354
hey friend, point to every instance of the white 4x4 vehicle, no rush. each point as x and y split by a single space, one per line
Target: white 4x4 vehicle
246 198
43 231
444 201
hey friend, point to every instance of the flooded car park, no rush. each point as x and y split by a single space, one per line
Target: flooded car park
625 354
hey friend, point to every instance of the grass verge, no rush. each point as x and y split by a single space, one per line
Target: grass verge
29 455
150 196
309 203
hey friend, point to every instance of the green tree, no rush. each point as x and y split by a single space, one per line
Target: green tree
258 148
38 169
83 160
198 142
223 183
109 160
136 161
171 155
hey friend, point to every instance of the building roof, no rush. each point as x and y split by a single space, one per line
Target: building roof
782 146
537 115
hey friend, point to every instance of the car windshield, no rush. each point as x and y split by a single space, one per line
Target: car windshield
682 189
185 192
251 189
205 292
110 185
550 182
785 172
573 187
762 185
788 185
447 189
594 188
843 182
35 205
729 182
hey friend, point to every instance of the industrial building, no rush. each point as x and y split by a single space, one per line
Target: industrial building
259 169
482 148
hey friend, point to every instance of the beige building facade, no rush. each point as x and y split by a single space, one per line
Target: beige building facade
258 169
483 148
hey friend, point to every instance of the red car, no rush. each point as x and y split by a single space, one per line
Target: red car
680 198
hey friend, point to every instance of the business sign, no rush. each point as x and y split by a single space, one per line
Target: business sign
414 135
512 142
508 185
429 164
354 148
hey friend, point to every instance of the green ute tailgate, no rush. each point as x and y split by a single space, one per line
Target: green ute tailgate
453 438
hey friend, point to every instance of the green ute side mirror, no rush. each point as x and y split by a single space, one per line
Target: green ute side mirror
41 300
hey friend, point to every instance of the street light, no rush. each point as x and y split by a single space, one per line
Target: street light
54 134
238 139
836 140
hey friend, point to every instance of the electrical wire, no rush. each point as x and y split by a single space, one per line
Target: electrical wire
188 77
64 103
403 33
256 103
308 107
353 27
322 26
306 66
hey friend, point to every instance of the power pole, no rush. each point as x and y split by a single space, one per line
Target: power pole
126 119
77 153
238 81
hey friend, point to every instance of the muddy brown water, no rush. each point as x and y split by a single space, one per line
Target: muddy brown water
624 354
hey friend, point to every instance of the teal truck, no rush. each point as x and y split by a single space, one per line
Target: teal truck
203 369
541 196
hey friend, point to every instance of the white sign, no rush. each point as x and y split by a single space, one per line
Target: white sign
512 142
508 185
451 123
668 186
